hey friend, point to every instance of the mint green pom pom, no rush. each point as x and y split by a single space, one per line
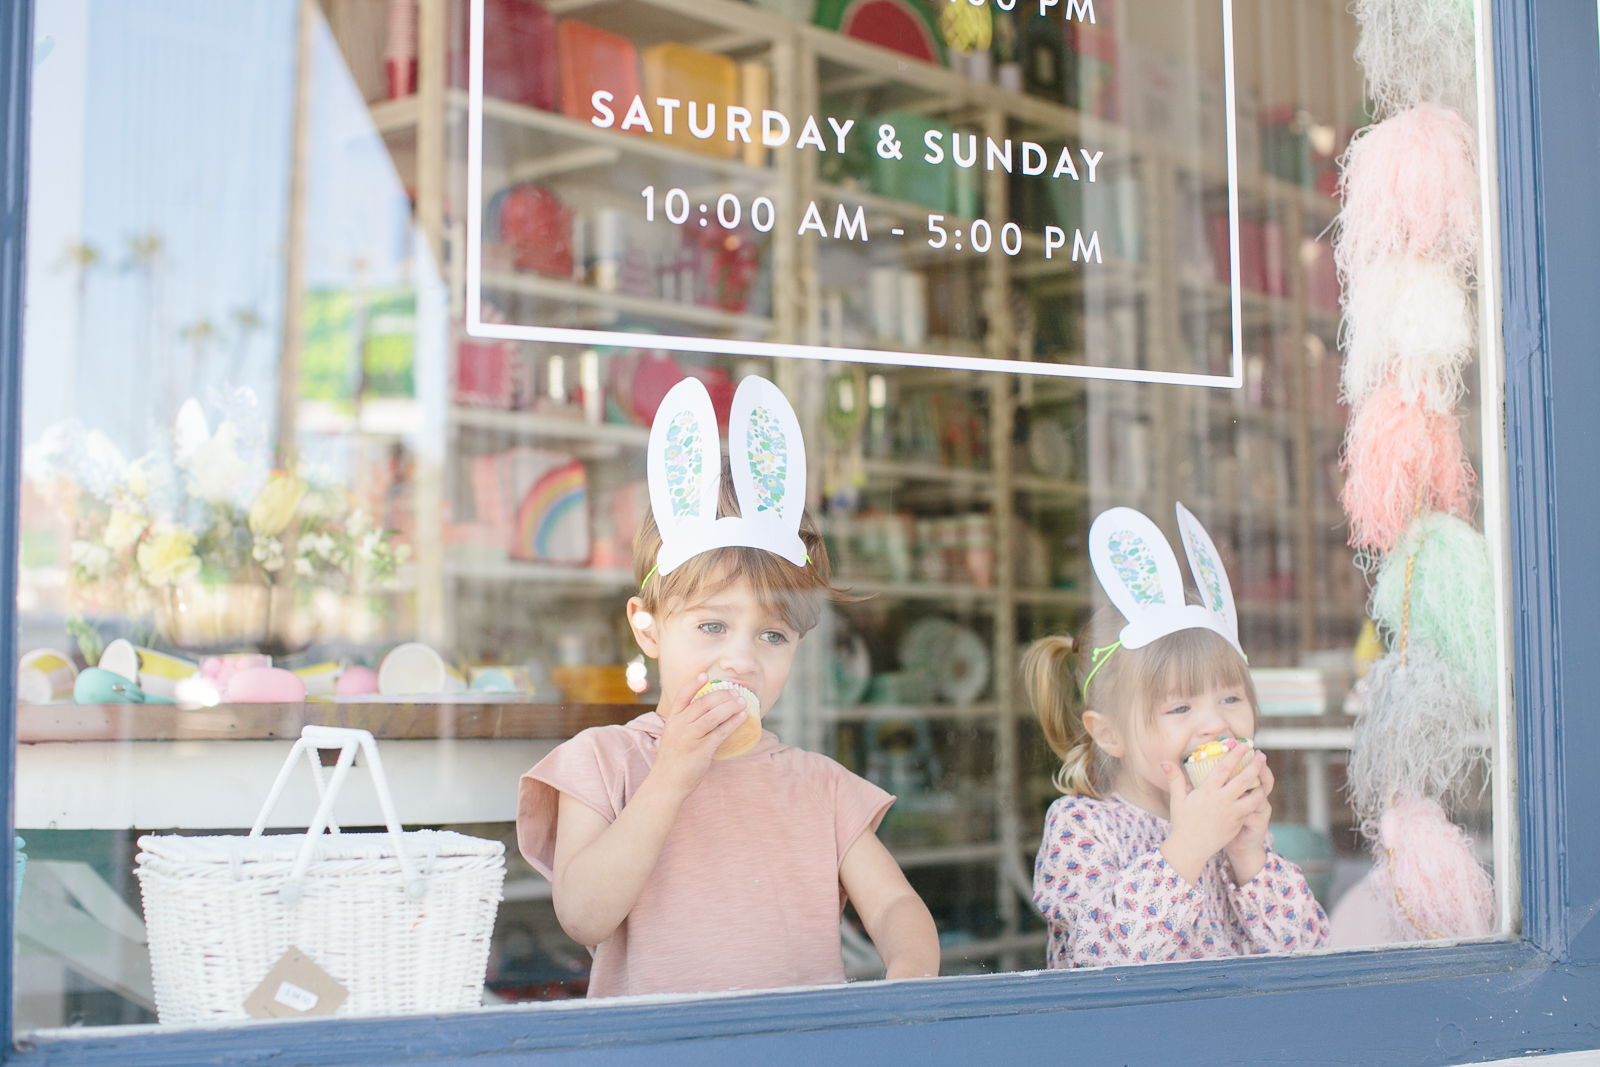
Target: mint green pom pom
1452 596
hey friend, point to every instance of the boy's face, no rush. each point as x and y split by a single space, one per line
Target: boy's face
728 637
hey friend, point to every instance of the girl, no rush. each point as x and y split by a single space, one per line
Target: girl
692 851
1136 864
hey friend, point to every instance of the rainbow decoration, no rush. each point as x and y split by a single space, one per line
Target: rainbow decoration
553 519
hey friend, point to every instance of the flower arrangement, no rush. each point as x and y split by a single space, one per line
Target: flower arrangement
157 533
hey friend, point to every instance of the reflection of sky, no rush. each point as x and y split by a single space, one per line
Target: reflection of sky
180 123
170 122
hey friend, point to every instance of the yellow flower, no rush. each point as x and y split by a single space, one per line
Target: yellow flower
124 529
276 505
167 556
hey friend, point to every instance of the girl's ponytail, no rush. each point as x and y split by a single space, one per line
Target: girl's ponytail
1049 671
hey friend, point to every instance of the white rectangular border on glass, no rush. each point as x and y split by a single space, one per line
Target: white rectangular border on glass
476 327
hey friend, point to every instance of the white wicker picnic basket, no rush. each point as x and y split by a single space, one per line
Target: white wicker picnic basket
401 920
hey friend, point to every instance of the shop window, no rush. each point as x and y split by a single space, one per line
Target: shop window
348 322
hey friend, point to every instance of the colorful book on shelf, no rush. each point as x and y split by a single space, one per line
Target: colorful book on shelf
707 84
591 60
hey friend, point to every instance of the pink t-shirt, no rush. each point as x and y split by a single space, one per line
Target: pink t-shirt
745 893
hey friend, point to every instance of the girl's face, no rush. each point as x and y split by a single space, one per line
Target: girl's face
729 637
1181 724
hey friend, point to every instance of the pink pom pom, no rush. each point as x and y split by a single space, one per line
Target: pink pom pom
1395 448
1410 185
1426 872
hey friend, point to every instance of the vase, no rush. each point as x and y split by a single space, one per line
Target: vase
233 617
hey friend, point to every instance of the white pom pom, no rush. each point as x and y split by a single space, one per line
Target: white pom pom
1410 319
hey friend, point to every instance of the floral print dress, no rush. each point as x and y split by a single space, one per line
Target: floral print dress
1110 898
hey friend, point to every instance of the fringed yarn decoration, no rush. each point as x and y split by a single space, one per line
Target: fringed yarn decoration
1410 320
1428 874
1421 732
1400 459
1451 596
1418 51
1410 186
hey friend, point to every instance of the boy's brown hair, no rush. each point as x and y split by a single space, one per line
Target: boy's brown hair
795 594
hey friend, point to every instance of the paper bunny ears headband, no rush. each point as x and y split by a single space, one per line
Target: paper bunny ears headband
768 458
1139 572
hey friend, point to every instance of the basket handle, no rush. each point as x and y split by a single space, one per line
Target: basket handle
347 741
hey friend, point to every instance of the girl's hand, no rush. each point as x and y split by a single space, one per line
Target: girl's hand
1209 817
1247 852
694 730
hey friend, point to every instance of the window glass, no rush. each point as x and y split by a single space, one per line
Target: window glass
348 323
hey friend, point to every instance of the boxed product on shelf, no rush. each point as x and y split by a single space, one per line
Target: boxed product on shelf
707 84
1290 690
591 60
484 373
519 53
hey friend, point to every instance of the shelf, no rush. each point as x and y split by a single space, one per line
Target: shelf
553 426
873 712
911 471
639 306
1070 598
940 855
609 578
916 590
996 946
397 721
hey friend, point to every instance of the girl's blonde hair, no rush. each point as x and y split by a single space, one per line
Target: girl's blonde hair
794 594
1129 685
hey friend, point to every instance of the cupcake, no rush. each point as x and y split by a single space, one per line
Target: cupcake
1203 760
749 732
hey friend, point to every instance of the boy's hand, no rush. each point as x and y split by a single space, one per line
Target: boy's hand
694 730
1247 852
1212 816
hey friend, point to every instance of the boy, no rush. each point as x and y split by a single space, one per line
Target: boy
686 869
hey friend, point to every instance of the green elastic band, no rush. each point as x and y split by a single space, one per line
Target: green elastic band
1098 663
653 571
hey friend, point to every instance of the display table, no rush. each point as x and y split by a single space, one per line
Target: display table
157 766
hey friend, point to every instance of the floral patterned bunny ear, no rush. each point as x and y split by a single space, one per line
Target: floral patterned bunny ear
1139 572
685 468
1205 563
768 457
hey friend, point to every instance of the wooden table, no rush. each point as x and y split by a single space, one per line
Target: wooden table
157 766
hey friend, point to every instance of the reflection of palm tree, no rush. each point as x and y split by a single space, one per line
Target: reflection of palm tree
146 255
200 334
246 324
83 258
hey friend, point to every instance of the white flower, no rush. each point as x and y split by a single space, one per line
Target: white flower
93 559
371 542
321 544
216 472
358 523
268 551
302 567
124 529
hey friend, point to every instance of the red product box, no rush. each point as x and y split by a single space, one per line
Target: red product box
483 373
592 59
519 53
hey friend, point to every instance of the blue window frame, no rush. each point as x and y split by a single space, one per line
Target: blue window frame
1415 1005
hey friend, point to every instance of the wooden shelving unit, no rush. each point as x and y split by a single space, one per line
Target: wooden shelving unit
1193 438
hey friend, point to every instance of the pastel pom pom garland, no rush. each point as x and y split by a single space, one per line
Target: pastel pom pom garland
1401 459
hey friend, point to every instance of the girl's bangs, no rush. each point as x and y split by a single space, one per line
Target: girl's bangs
1190 662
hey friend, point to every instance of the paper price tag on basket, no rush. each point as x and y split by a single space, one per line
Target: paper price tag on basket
295 987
